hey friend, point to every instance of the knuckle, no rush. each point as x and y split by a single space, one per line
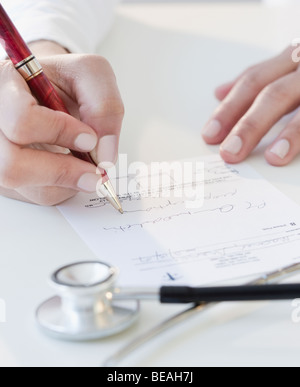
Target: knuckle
251 79
249 124
276 91
112 107
108 107
58 127
111 103
93 62
62 176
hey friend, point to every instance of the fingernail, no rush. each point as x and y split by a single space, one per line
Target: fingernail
107 153
212 129
232 145
88 182
86 142
281 148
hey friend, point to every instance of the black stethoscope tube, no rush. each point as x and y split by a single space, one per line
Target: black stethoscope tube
184 294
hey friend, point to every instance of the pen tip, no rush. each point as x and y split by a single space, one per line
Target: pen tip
121 211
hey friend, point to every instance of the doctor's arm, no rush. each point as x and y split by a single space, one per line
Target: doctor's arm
34 141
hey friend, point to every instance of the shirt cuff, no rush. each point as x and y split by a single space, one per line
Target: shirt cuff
77 28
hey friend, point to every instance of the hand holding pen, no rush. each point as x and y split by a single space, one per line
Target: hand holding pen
33 138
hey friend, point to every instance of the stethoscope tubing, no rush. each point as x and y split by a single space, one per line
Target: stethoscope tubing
120 355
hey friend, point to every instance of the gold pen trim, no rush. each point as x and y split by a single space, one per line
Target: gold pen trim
29 68
28 59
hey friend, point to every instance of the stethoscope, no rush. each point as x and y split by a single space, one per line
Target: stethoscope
90 306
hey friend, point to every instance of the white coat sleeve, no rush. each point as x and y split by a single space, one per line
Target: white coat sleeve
78 25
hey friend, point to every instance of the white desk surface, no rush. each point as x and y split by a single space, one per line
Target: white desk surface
168 59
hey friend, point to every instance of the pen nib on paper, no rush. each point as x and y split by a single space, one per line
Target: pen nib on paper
109 193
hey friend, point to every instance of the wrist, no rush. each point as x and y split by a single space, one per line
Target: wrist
47 48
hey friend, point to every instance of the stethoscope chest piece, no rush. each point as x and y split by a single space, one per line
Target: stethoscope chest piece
84 309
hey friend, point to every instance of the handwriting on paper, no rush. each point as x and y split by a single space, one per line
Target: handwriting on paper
244 226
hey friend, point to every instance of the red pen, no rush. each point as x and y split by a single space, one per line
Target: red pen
40 86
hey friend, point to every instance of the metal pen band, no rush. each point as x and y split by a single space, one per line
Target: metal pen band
29 68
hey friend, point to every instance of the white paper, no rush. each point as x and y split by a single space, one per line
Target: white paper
244 227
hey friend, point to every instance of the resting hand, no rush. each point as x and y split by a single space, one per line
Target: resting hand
35 164
251 105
